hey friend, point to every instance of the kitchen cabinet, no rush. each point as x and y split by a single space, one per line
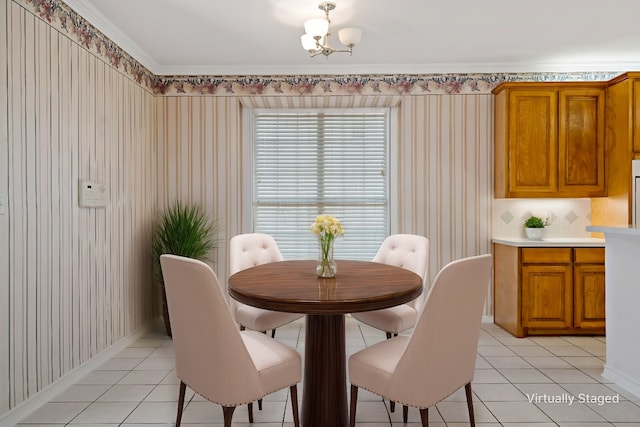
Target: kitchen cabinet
636 112
549 140
622 138
589 297
549 290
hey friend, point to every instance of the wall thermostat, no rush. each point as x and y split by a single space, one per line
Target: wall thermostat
92 194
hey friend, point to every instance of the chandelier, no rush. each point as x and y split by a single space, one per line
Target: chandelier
316 40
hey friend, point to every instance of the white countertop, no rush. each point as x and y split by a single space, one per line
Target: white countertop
573 242
627 230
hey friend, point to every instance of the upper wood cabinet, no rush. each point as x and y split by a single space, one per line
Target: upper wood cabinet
622 145
636 112
549 140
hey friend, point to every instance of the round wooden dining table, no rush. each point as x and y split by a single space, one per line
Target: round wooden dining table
292 286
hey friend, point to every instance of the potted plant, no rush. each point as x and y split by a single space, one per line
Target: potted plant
534 227
186 230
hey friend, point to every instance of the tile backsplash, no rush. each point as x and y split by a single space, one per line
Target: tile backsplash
567 217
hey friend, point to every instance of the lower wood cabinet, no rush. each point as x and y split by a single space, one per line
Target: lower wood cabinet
549 290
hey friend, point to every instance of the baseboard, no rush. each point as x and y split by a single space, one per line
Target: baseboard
487 318
30 405
630 384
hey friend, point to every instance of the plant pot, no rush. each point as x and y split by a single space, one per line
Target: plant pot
534 233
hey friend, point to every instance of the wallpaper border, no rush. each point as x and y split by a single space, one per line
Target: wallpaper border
62 17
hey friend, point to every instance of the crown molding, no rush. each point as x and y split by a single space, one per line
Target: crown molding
92 15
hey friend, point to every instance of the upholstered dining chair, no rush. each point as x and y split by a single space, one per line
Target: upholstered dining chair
408 251
214 358
439 356
249 250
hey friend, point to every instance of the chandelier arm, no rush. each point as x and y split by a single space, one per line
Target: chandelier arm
327 52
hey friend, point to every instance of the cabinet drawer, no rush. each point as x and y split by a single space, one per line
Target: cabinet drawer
589 255
546 255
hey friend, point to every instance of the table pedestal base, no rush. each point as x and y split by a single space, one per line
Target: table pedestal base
324 399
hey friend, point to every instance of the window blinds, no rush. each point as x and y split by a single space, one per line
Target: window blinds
321 162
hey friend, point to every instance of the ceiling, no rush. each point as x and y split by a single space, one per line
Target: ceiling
262 37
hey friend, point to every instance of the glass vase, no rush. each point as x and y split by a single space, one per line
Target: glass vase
326 266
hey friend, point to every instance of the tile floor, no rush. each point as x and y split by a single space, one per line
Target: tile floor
138 387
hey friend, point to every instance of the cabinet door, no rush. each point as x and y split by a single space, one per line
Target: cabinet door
589 302
581 143
547 296
636 116
532 142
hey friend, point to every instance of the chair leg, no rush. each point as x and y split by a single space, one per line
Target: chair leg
242 328
424 417
467 389
273 333
392 406
388 335
352 409
259 404
183 388
405 413
227 412
250 411
294 405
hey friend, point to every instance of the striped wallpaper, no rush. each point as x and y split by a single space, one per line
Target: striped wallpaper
445 180
73 280
443 161
4 219
199 156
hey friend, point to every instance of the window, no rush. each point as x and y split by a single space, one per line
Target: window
311 162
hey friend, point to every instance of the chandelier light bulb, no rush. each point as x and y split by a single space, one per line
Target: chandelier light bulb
350 36
316 27
308 42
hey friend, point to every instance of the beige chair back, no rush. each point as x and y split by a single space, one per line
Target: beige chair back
211 356
441 353
249 250
408 251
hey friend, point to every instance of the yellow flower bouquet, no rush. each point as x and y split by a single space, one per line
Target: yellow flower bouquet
327 228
